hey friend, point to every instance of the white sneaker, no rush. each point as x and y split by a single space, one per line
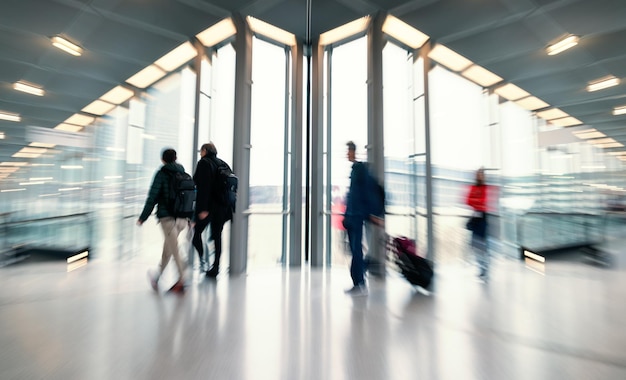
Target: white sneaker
357 290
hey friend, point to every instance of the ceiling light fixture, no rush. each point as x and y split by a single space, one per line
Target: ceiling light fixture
481 76
28 88
603 83
271 31
146 77
67 46
511 92
10 116
98 107
619 110
78 119
217 33
553 113
345 31
532 103
564 44
177 57
449 58
404 32
118 95
68 127
566 122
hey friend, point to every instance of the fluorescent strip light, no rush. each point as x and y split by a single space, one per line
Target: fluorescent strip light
347 30
177 57
607 140
609 145
217 33
511 92
146 77
566 122
98 107
13 163
78 119
449 58
33 150
26 155
118 95
41 145
532 103
619 110
28 88
619 153
590 135
534 256
67 46
2 136
561 46
68 127
482 76
10 116
603 83
553 113
271 31
404 32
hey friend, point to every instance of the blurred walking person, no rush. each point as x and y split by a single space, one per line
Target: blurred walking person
477 200
159 195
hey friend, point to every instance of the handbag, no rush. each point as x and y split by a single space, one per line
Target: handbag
472 223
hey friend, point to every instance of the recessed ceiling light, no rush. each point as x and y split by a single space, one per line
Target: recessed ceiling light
561 46
603 83
619 110
78 119
217 33
404 32
271 31
566 122
118 95
146 77
532 103
28 88
98 107
553 113
68 127
344 31
482 76
177 57
10 116
67 46
511 92
449 58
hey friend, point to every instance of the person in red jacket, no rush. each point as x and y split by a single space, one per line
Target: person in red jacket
477 200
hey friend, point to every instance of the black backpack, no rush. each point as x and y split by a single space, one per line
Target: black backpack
182 194
375 194
226 184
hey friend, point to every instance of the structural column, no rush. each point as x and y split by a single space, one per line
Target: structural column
375 128
295 201
317 156
241 145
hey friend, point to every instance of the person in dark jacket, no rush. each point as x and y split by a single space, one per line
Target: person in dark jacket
159 196
209 210
355 215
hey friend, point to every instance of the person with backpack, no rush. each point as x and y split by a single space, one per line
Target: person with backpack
214 205
364 202
161 195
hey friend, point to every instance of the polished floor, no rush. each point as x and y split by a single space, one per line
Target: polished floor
560 320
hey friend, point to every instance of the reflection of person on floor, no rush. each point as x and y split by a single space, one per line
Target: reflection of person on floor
477 200
172 226
354 217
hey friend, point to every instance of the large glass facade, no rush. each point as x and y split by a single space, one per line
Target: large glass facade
87 188
347 121
269 163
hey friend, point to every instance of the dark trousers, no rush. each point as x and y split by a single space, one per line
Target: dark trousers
216 235
354 227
